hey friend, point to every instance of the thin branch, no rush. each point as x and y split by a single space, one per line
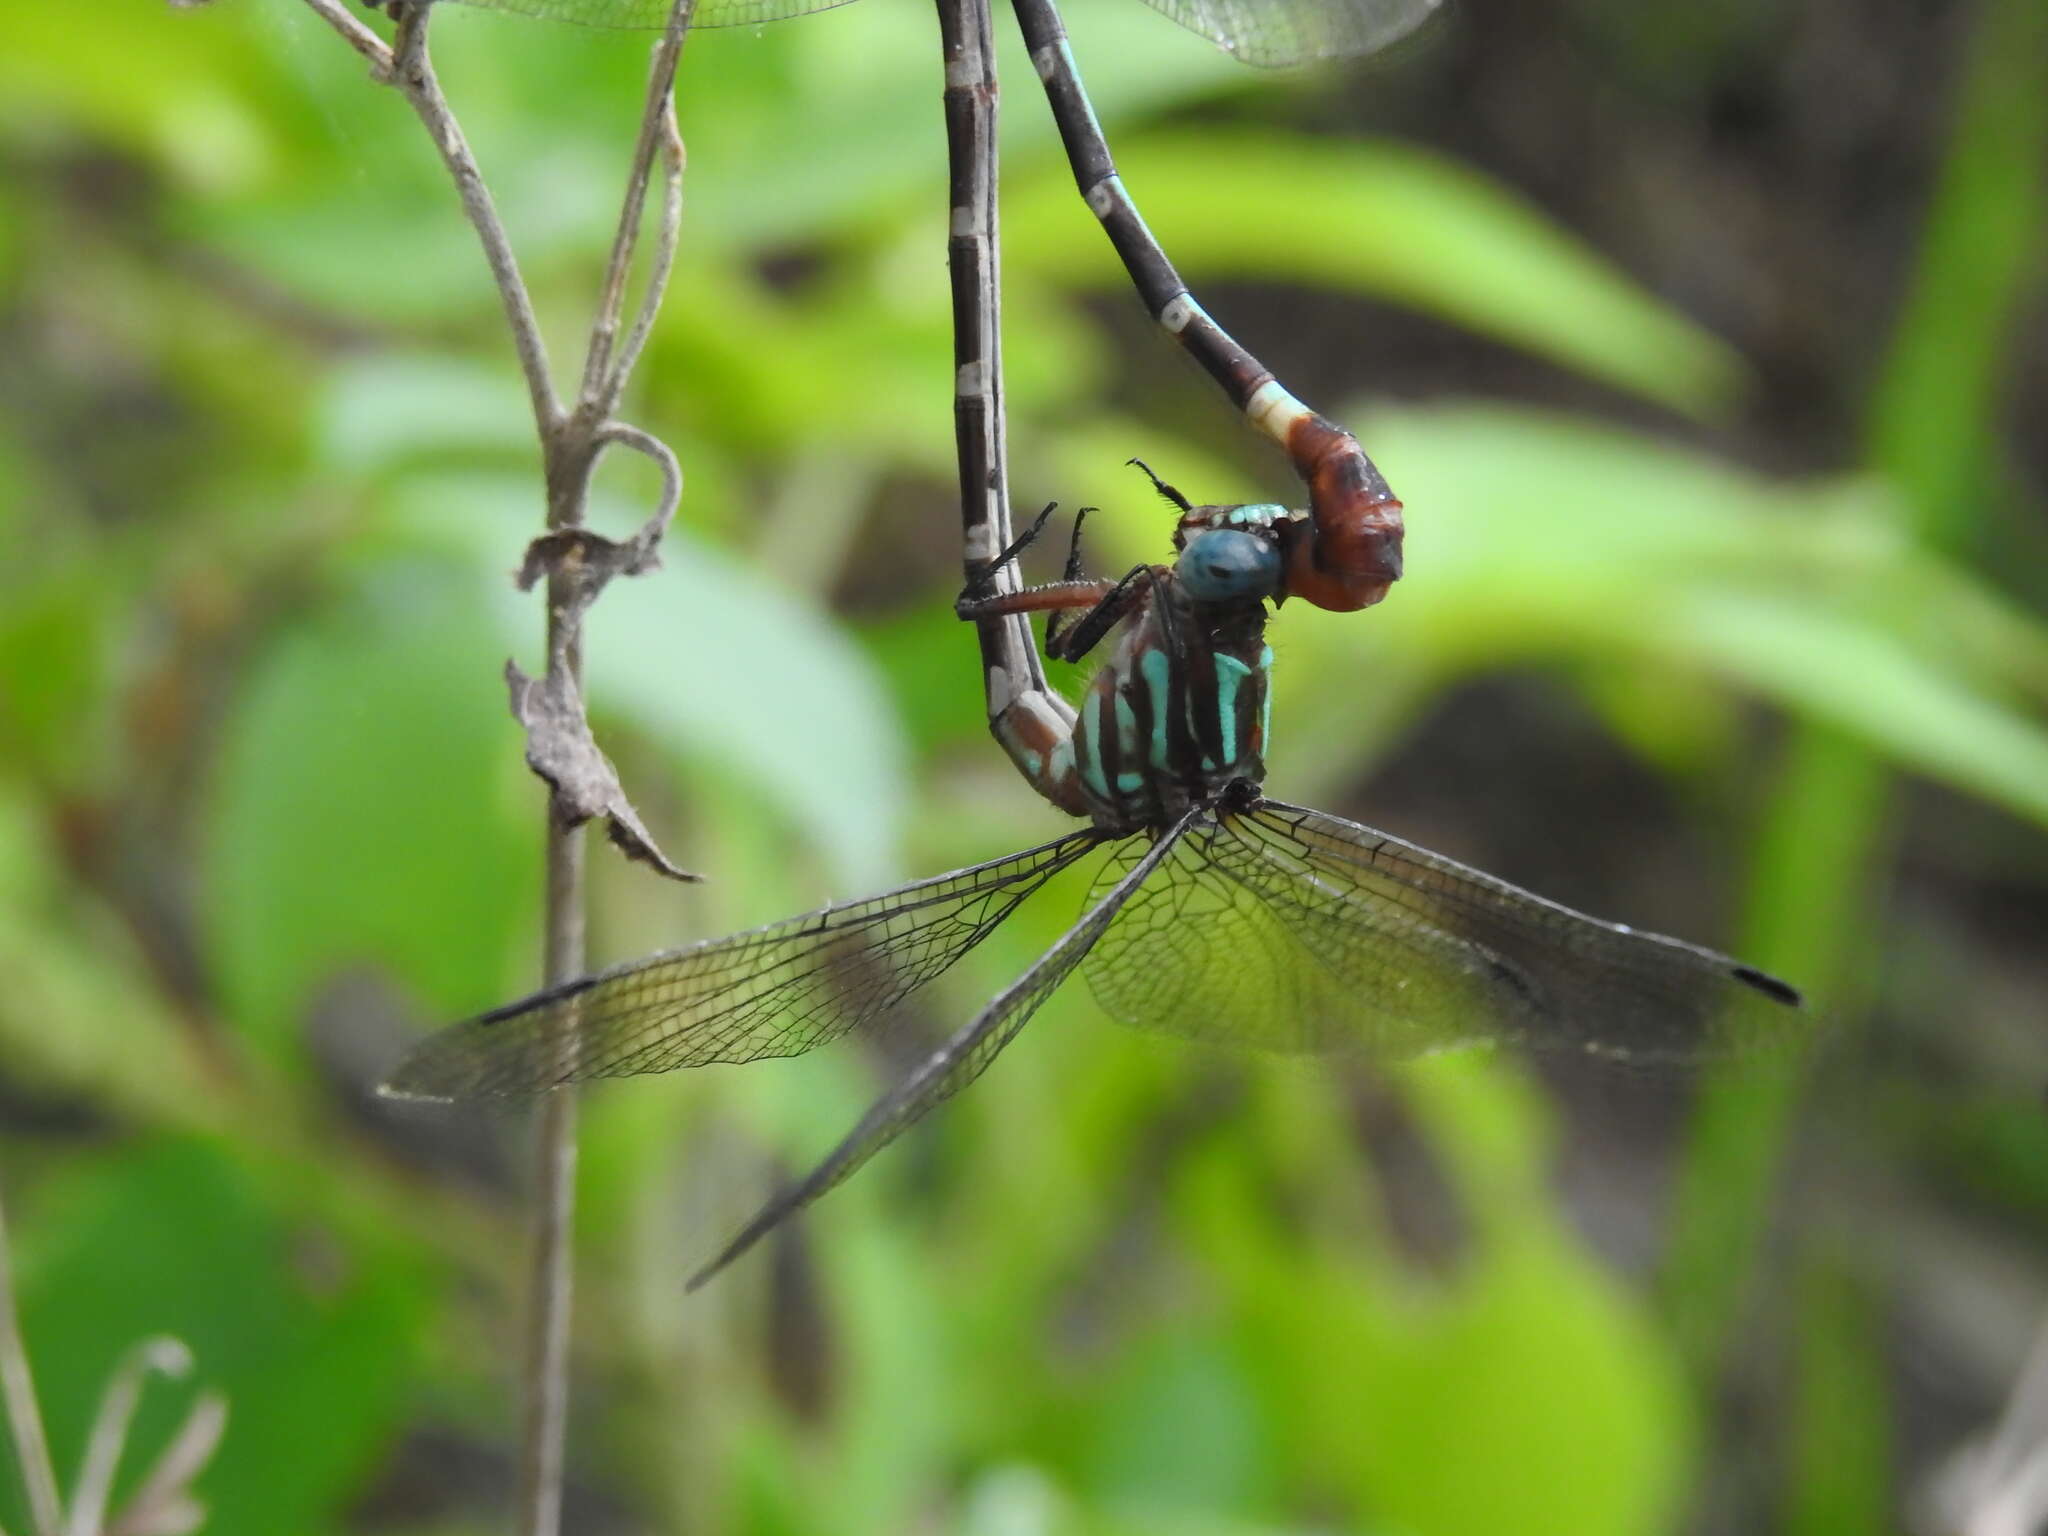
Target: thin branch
602 382
25 1419
412 72
354 33
546 1385
545 1416
674 159
647 443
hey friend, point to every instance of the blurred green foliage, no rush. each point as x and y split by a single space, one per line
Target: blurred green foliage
264 470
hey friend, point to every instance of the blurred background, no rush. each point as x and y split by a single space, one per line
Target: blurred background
1705 344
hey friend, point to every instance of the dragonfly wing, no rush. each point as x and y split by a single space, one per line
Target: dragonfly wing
1290 930
773 991
961 1059
653 14
1229 944
1531 971
1277 33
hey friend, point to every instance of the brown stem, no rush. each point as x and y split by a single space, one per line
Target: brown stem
545 1379
574 445
353 32
674 159
412 72
604 379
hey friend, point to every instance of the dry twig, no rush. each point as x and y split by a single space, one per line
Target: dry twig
577 562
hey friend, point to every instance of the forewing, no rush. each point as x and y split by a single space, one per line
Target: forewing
961 1059
1536 973
773 991
1283 32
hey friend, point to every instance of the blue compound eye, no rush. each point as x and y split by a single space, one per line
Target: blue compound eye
1224 565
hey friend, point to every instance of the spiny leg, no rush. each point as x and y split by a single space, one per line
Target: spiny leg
1066 638
1038 741
1034 726
1095 594
981 574
1162 487
1073 570
1169 626
1058 619
1114 605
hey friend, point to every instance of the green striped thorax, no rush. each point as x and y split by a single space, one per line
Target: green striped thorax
1181 710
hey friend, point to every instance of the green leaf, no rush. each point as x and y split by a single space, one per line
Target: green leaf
1391 222
1843 1457
82 1014
1179 1425
370 807
382 411
1522 1390
1906 705
173 1236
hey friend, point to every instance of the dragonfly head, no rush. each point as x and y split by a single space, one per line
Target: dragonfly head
1229 565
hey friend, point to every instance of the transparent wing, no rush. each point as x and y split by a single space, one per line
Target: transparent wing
1277 33
964 1057
1289 929
1227 945
1264 32
654 13
773 991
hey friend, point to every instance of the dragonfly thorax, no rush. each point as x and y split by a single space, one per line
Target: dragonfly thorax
1179 712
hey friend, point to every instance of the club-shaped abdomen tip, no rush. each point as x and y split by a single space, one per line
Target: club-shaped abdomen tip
1780 991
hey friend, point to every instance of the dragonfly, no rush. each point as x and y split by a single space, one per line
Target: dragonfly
1215 912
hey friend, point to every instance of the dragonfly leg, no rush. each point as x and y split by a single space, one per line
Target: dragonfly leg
1169 625
1057 621
1162 487
981 574
980 600
1036 728
1049 598
1073 570
1066 638
1112 606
